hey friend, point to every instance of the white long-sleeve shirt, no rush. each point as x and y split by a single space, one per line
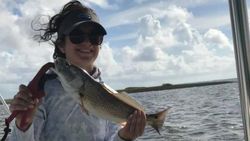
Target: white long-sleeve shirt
60 118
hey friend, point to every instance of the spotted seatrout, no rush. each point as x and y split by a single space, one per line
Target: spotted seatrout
99 99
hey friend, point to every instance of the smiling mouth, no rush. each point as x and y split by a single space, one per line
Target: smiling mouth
84 51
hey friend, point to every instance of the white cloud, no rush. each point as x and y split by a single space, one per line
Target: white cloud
175 14
183 32
21 56
175 10
170 13
140 1
107 62
150 54
161 31
217 38
127 54
102 3
149 57
205 22
150 24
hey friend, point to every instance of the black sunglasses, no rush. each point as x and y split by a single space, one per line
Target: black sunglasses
77 36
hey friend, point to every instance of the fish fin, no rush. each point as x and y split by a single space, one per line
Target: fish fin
82 106
157 120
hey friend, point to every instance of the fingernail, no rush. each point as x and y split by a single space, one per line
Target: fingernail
130 116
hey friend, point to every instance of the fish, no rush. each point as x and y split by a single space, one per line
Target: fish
100 99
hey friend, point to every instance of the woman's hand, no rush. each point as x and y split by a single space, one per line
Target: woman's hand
22 102
134 127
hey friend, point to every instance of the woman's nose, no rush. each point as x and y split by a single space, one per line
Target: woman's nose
86 43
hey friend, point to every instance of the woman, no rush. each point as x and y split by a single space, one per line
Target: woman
57 116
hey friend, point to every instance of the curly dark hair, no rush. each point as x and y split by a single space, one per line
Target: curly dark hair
54 24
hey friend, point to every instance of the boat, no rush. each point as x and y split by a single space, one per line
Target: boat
240 31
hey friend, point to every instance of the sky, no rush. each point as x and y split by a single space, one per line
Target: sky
148 42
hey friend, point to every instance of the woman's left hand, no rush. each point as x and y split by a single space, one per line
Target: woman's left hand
134 127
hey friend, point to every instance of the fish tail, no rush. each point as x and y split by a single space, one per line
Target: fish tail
157 120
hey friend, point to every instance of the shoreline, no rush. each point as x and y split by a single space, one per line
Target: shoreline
168 86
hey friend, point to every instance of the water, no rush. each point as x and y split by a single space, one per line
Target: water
209 113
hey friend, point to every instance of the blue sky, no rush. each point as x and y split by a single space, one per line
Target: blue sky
148 42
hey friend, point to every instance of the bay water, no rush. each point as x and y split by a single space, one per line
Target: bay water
207 113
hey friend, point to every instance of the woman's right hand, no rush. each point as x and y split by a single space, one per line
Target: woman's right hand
22 102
